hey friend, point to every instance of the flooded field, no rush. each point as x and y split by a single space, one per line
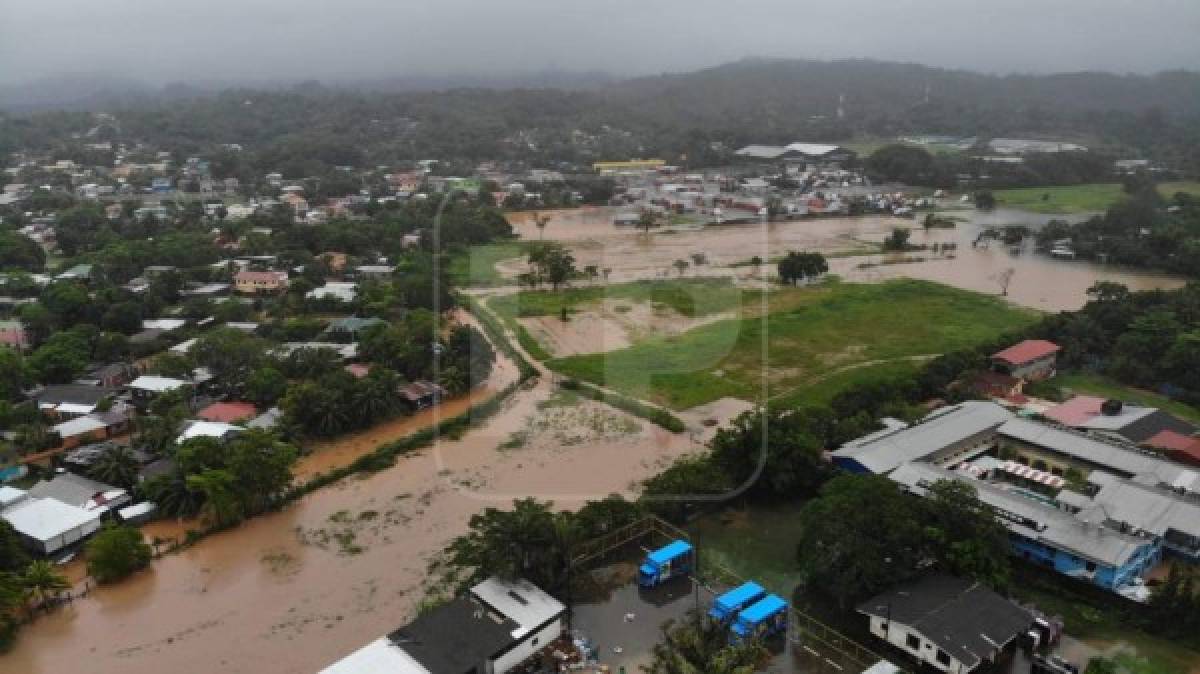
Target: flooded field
1038 281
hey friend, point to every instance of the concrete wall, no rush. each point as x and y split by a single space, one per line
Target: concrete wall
531 644
897 635
1108 577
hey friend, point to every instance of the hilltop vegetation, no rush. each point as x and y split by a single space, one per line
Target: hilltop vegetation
701 116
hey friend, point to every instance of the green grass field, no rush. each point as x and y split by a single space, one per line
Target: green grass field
476 266
1061 200
1099 385
1078 198
820 393
808 334
688 297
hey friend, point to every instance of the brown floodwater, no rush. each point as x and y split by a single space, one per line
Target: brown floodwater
295 590
1038 281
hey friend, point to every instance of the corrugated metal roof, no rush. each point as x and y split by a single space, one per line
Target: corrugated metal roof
1114 458
1023 352
880 454
1034 519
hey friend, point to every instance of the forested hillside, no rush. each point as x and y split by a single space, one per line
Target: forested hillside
693 119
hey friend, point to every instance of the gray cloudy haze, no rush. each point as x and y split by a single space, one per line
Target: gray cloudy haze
170 40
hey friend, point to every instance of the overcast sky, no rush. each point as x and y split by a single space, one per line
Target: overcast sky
177 40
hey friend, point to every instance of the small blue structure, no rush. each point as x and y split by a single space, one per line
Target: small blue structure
669 561
766 617
735 600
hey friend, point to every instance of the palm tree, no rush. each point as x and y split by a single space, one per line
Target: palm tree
41 578
155 432
221 503
376 397
117 466
701 646
12 594
171 494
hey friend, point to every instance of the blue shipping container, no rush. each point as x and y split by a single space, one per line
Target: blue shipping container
765 617
735 600
665 563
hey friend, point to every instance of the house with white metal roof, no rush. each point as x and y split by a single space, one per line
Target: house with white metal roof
47 525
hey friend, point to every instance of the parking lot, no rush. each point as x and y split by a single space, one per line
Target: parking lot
622 621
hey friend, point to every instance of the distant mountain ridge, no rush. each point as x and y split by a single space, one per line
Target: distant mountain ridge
814 86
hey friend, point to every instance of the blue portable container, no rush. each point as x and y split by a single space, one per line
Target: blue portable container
735 600
669 561
763 618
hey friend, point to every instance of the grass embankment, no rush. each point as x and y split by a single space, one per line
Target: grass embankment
495 334
476 265
1078 198
1077 383
651 413
808 334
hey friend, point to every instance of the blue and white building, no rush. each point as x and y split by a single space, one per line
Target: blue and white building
1081 504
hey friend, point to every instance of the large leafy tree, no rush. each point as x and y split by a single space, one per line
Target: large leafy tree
552 263
222 505
859 536
779 449
698 645
61 358
230 354
12 555
962 536
115 552
529 541
12 374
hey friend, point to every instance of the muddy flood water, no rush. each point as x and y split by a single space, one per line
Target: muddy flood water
295 590
1037 281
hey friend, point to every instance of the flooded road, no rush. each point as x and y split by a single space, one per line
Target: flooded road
295 590
1038 281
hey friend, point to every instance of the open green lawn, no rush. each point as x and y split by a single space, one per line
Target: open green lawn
1059 200
476 266
808 334
689 297
1078 198
820 393
1099 385
1188 187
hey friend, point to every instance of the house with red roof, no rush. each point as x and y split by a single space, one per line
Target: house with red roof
12 335
230 412
1031 360
254 282
1176 446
